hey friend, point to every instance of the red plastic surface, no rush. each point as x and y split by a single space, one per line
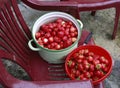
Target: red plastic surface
14 37
75 6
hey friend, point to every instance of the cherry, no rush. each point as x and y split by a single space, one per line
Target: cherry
58 34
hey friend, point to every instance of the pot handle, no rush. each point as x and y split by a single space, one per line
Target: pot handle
81 24
31 47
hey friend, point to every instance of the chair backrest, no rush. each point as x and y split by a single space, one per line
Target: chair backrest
62 5
14 35
14 32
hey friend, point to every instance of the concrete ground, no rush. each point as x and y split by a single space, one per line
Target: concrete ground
102 26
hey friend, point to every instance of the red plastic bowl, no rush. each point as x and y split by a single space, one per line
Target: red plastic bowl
96 50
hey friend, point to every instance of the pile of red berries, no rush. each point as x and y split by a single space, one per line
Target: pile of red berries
57 35
85 64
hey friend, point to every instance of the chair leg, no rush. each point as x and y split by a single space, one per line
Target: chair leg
116 23
100 85
93 13
74 12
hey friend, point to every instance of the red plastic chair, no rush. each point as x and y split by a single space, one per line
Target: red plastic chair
14 37
75 6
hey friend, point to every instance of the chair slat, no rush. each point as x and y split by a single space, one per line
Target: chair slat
13 31
13 50
5 47
16 27
20 19
7 38
12 57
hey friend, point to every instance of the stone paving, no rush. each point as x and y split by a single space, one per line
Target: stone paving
101 25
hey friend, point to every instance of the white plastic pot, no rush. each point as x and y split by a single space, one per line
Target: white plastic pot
49 55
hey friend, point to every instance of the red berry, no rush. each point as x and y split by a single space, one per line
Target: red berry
72 29
45 41
60 34
37 35
50 39
65 38
57 47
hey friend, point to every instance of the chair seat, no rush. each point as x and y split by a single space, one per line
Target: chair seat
54 72
49 70
43 73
